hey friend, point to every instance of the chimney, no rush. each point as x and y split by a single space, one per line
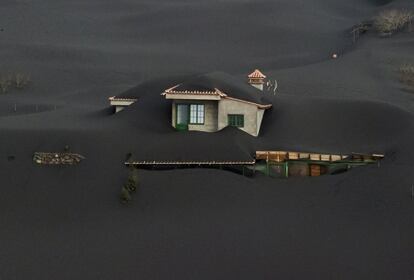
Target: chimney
256 79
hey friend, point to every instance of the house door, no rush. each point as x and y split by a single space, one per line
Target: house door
182 115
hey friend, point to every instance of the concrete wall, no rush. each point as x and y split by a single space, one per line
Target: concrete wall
210 115
250 112
216 115
119 108
258 86
120 104
174 114
260 113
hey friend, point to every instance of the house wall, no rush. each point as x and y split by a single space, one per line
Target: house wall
260 113
119 108
250 112
258 86
210 115
120 105
174 114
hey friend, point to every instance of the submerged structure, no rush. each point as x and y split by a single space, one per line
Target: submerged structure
257 79
213 101
120 103
278 164
299 164
57 158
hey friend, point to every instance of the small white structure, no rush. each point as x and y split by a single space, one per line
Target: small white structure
256 79
120 103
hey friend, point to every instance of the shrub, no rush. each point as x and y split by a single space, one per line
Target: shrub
130 186
391 21
18 80
132 182
125 196
5 82
407 74
21 80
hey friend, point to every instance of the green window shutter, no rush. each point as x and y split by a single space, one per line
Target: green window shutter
236 120
240 120
230 120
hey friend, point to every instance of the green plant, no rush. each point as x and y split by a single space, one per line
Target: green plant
5 82
125 196
407 74
18 80
391 21
21 80
130 185
132 182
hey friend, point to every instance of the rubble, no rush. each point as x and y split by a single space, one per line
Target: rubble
57 158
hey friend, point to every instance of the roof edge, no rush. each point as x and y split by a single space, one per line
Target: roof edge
261 106
114 98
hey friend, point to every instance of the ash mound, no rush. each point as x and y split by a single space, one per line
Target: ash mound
295 123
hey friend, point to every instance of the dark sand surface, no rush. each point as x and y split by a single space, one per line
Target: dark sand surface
67 222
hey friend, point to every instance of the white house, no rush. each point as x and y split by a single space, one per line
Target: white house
214 101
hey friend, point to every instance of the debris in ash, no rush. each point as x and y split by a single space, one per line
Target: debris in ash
57 158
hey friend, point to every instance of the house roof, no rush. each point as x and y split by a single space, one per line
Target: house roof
257 74
223 85
116 98
177 90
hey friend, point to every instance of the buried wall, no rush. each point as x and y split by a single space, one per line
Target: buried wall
232 107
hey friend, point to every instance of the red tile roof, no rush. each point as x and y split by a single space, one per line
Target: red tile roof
216 92
257 75
190 92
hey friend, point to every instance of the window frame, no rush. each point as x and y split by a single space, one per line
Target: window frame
197 112
238 120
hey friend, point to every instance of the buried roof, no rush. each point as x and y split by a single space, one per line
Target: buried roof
223 85
257 74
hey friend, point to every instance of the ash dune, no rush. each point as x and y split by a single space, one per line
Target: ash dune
131 41
67 223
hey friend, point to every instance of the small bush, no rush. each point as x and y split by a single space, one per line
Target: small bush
391 21
21 80
6 80
130 186
17 80
407 75
125 196
132 182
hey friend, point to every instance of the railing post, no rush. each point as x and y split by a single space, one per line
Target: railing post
287 169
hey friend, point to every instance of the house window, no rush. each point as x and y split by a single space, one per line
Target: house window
182 114
196 114
236 120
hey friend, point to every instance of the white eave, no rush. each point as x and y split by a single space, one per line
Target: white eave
172 93
217 94
191 96
119 101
